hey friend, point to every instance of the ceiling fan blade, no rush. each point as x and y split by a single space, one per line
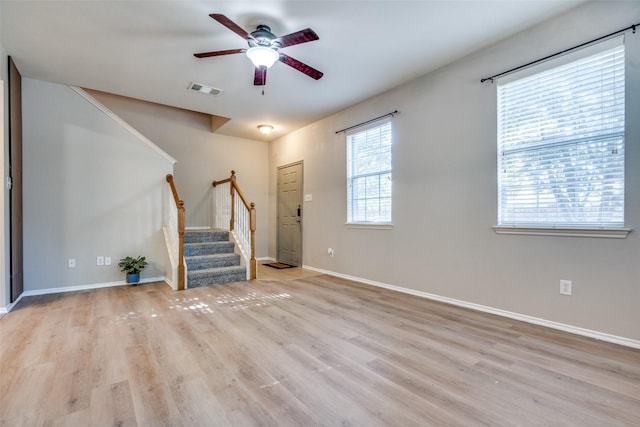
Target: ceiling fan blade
230 25
260 76
300 66
218 53
302 36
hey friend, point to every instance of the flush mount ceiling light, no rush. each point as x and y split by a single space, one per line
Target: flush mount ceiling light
262 56
265 129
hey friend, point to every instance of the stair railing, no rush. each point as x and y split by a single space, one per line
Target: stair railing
238 216
176 230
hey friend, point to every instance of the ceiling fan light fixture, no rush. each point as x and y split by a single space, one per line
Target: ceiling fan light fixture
262 56
265 129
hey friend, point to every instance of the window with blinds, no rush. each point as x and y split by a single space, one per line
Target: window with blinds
369 174
561 142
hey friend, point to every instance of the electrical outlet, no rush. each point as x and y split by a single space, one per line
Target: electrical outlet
330 252
565 287
107 260
100 260
71 263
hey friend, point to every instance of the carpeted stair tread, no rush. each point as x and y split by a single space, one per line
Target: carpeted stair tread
207 248
199 236
200 262
213 276
227 269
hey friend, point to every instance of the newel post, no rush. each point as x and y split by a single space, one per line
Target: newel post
181 227
252 227
232 190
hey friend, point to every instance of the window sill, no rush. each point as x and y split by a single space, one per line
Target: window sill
369 225
611 233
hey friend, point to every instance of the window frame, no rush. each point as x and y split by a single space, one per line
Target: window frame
548 228
350 221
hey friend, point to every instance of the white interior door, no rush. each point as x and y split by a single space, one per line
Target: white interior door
289 237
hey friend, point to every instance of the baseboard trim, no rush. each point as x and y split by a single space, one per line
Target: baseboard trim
7 309
266 258
170 283
602 336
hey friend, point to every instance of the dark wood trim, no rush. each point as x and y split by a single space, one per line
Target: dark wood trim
16 267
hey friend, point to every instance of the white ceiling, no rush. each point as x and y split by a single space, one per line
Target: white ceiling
144 49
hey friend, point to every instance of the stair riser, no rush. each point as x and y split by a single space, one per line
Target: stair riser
206 236
214 279
208 248
213 263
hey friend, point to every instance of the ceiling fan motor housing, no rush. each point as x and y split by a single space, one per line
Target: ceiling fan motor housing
263 36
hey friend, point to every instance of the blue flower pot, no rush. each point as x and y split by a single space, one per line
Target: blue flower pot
133 277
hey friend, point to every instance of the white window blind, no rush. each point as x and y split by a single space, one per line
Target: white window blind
561 144
369 174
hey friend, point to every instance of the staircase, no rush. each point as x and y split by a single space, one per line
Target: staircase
211 259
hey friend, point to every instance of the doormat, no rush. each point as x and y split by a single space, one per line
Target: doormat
279 265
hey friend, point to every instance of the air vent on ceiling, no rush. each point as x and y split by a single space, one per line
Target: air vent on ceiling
202 88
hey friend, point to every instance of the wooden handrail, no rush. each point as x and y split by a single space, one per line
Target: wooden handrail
244 199
181 227
232 180
251 208
223 181
172 185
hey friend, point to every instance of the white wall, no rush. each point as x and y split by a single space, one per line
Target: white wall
202 157
444 194
90 188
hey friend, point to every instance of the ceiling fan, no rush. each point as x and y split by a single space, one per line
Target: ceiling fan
264 48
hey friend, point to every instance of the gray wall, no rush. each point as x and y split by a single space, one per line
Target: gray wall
444 194
202 157
90 188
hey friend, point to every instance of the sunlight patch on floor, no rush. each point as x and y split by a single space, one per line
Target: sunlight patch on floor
191 304
251 299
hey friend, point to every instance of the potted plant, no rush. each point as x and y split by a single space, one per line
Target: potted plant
132 266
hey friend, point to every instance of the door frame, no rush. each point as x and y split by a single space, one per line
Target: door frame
301 163
16 263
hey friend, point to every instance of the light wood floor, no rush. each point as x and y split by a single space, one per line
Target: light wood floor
303 351
270 273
